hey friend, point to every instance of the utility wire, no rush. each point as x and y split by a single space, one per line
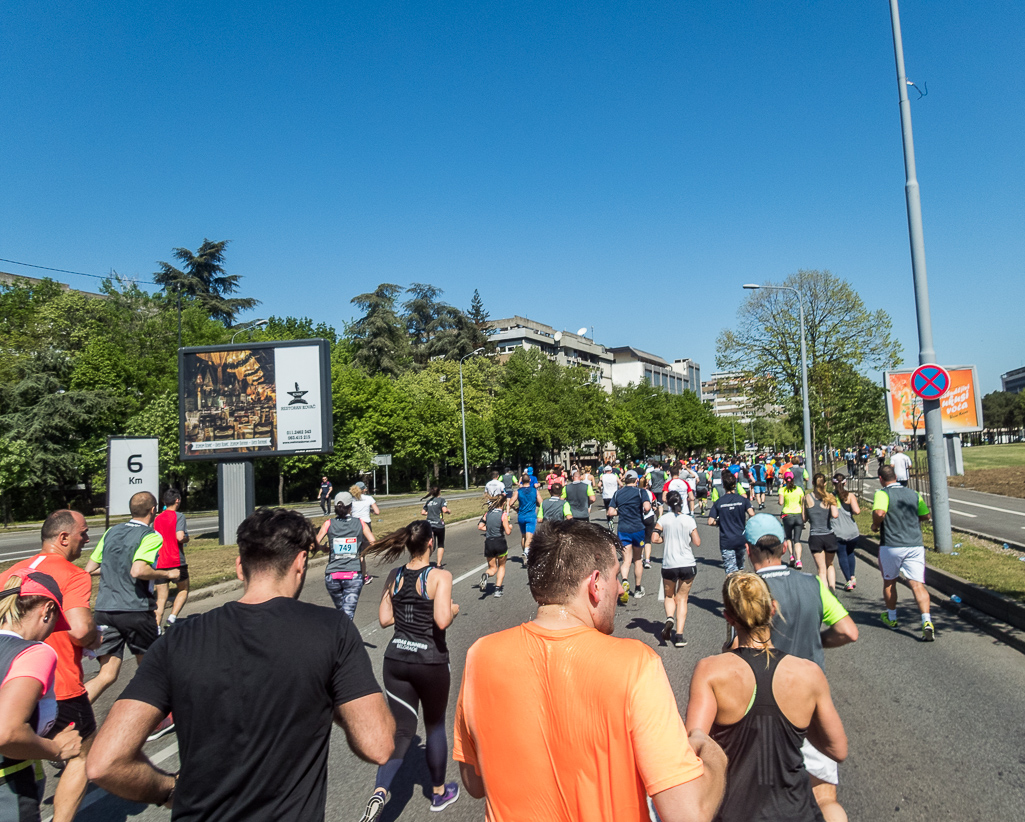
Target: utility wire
67 271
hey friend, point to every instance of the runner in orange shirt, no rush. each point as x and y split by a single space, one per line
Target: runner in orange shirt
64 534
594 729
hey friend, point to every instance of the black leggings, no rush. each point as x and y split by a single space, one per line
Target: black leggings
408 685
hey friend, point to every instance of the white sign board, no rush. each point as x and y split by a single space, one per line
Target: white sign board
382 459
133 465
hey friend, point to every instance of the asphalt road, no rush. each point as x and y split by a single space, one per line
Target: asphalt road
934 729
18 544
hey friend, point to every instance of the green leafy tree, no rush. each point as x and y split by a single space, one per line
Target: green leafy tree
202 277
16 470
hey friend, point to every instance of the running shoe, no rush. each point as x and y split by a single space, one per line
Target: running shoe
680 641
889 623
499 591
484 581
647 563
638 592
625 596
374 806
851 585
928 632
797 564
367 579
440 801
165 727
668 628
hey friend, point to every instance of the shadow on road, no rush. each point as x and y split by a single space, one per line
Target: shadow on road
412 775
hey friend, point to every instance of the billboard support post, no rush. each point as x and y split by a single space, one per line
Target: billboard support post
934 444
236 497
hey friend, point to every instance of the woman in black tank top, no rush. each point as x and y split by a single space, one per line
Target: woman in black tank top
759 704
417 600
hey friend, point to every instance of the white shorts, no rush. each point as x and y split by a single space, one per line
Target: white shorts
892 561
819 765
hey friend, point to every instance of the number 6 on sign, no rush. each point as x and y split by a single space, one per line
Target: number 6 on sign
133 465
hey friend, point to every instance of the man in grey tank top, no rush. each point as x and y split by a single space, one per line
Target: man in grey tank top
897 514
579 494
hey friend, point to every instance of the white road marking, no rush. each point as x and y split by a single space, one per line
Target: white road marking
964 514
469 574
97 794
987 507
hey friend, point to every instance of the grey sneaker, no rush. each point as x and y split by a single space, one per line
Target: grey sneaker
484 581
499 591
638 592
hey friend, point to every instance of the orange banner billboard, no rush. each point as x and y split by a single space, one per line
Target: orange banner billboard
961 406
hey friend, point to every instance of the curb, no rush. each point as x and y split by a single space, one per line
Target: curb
997 615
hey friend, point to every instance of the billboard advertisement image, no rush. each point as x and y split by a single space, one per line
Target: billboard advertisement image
255 400
961 405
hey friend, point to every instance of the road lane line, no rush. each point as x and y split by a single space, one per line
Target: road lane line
97 794
964 514
987 507
469 574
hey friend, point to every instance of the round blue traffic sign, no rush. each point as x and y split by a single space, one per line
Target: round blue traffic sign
930 381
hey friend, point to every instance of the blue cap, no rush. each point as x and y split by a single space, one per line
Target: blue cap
762 525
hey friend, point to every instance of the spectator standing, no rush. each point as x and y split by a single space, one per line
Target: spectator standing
174 532
594 728
254 705
324 494
64 534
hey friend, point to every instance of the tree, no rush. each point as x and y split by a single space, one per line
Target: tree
477 331
204 279
15 470
843 336
432 325
379 336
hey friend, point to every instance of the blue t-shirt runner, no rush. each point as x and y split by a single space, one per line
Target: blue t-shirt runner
730 511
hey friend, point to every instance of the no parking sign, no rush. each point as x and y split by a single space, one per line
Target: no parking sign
930 381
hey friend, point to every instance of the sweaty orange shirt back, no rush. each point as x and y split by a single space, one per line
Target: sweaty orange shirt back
76 587
569 725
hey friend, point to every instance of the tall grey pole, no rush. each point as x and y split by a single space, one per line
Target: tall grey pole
809 455
462 407
926 353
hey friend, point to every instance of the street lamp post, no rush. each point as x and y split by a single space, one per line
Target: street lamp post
462 408
809 455
926 353
246 327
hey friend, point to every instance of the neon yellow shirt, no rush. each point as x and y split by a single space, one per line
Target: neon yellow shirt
792 499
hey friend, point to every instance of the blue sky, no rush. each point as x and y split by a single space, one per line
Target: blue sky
626 165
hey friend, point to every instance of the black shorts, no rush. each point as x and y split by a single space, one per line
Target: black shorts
684 574
701 493
439 536
136 629
649 529
77 710
495 547
822 542
183 574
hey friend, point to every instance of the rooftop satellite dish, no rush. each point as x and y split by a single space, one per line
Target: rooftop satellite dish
582 331
558 336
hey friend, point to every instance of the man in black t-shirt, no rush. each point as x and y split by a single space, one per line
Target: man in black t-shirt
730 513
254 686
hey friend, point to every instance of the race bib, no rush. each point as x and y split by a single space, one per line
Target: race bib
344 546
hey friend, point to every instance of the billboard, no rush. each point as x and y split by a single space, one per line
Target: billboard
133 465
961 406
269 399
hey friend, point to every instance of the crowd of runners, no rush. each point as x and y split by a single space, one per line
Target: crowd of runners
761 740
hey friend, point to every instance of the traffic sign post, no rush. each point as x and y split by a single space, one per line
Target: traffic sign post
133 465
385 460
